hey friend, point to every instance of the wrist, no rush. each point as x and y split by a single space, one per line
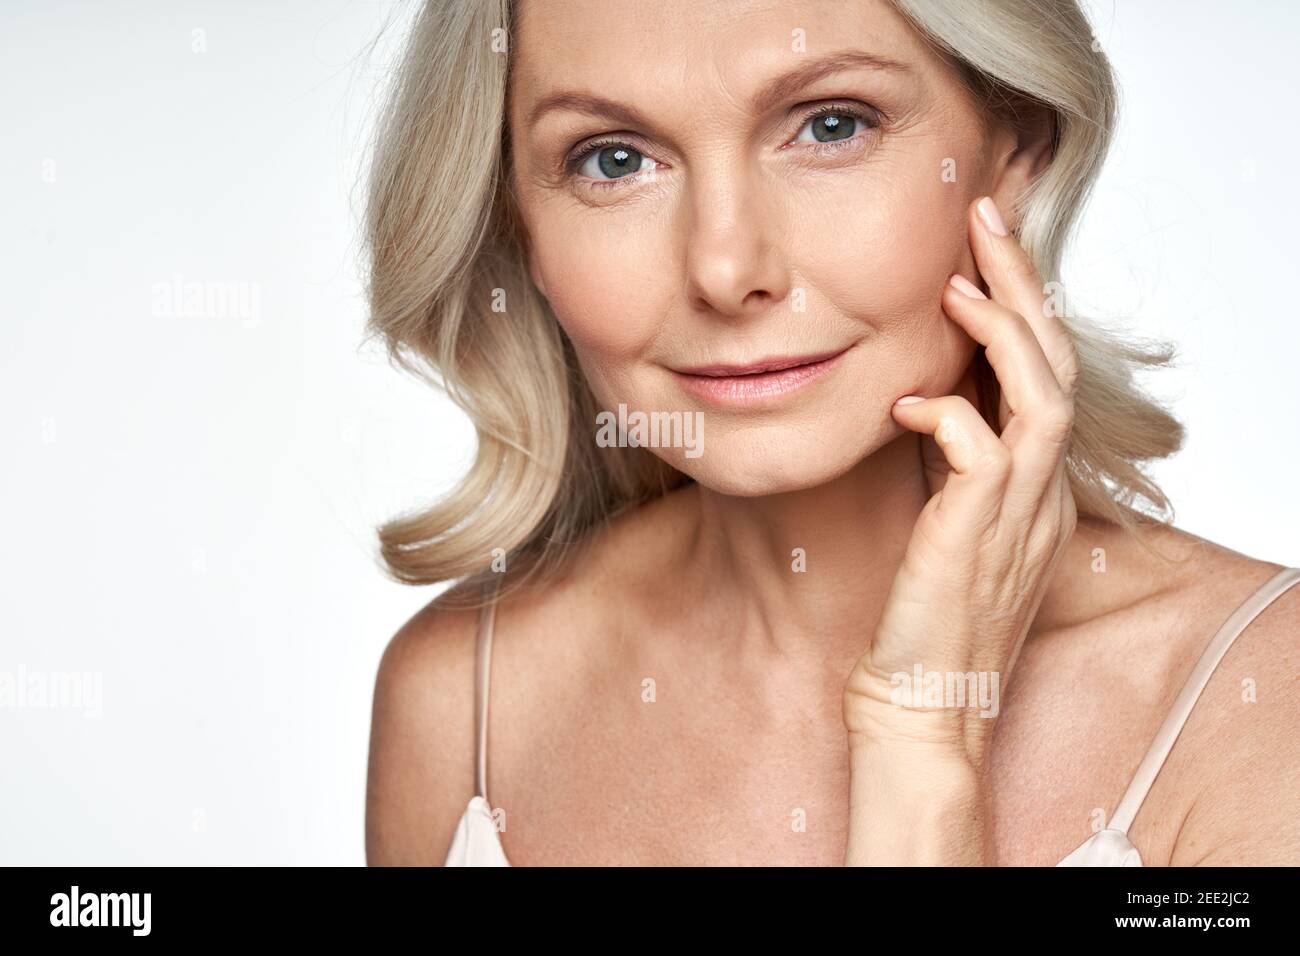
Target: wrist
943 764
890 718
915 805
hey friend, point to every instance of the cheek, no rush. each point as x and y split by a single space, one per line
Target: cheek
895 245
899 237
599 275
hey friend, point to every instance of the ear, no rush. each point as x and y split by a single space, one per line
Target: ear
1023 142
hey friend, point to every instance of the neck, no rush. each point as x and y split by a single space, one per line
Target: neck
805 574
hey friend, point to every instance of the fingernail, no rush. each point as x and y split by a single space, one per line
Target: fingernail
966 287
909 400
988 211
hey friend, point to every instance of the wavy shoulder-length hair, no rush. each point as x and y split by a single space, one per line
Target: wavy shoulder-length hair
451 296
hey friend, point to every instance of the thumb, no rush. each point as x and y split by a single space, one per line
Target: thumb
934 463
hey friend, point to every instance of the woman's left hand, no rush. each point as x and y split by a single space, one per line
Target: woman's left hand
974 574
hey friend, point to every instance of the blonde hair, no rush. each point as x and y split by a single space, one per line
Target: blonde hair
446 250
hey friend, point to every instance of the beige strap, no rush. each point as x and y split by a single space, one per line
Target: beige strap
482 674
1186 700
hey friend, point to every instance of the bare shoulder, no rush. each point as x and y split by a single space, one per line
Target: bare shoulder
549 640
1229 793
1240 766
420 775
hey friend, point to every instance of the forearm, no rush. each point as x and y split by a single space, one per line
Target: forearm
911 806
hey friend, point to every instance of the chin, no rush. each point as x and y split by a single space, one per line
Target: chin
751 462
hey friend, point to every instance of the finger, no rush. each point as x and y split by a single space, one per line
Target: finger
1044 412
933 462
1013 280
1041 419
1027 381
980 463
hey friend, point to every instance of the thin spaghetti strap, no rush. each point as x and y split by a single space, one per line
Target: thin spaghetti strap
1146 773
482 681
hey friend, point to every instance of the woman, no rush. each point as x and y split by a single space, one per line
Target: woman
793 459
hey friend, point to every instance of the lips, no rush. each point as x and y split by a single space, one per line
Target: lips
756 384
755 368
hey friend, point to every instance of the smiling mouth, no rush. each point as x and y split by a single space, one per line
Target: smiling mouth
756 382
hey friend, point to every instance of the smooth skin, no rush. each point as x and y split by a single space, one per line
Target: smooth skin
681 695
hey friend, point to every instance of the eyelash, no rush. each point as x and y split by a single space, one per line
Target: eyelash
871 119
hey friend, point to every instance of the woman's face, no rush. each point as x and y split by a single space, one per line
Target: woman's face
771 184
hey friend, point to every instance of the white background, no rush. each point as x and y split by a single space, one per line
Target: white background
187 500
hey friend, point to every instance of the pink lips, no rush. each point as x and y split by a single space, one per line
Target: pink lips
755 382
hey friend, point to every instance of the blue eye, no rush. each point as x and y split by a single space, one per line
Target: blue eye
833 125
613 161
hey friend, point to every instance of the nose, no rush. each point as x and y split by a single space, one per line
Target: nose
735 266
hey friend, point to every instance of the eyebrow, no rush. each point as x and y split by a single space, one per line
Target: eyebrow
774 91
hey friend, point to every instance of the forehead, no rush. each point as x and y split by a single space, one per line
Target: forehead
630 50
